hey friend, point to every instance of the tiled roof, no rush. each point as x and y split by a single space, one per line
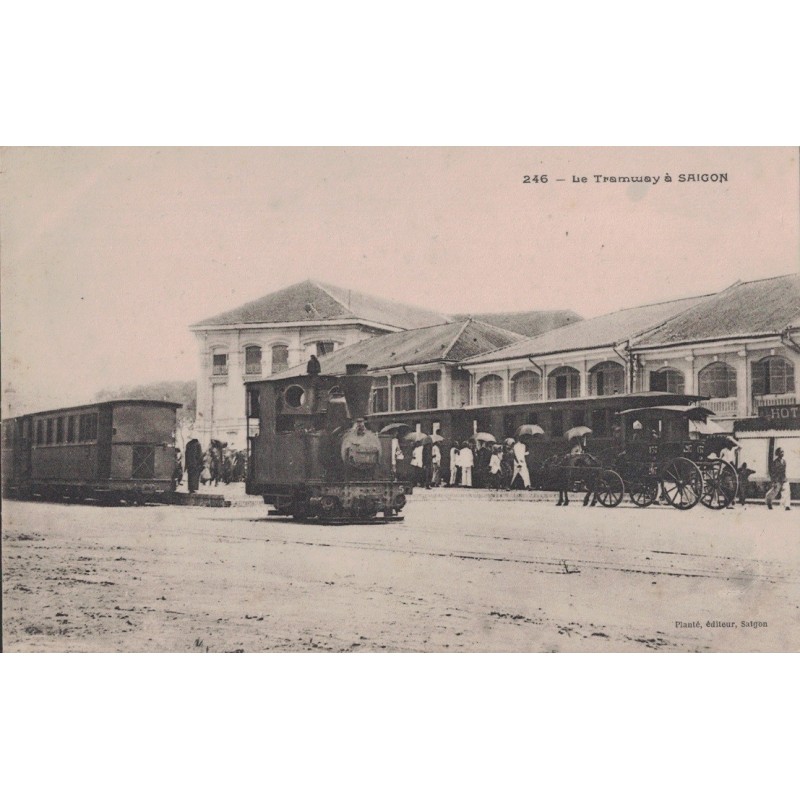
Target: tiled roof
527 323
744 309
453 341
603 331
310 300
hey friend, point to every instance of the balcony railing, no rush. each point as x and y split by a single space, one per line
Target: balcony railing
788 399
722 406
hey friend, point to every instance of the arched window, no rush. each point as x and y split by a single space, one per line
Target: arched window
667 380
219 363
564 382
280 357
490 390
773 375
608 377
252 360
718 379
526 386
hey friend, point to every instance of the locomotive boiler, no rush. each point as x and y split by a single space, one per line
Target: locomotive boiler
312 453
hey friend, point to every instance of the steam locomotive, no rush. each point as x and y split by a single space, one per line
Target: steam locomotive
311 453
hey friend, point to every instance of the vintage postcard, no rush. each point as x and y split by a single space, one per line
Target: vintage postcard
385 400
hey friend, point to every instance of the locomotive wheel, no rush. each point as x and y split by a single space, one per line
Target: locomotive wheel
644 492
720 484
609 488
682 483
330 506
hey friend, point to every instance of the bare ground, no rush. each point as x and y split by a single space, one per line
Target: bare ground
460 574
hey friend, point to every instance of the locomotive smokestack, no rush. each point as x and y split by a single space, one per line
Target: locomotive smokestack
356 386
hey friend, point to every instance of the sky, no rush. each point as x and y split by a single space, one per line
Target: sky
107 255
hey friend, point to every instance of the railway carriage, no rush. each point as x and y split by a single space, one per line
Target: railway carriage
119 449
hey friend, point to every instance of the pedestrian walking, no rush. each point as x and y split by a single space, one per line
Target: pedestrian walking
177 473
779 484
397 454
466 460
194 464
417 469
744 479
495 467
454 464
436 464
520 452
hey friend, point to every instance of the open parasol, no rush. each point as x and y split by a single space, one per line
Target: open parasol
530 430
509 441
481 436
417 437
435 437
577 432
396 427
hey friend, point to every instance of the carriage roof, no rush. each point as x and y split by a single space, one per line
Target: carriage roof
693 413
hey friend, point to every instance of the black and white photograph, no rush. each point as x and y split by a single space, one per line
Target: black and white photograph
401 400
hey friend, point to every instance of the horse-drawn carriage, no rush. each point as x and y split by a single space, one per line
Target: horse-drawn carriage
655 459
660 460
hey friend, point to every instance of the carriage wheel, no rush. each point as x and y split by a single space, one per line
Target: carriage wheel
720 484
644 492
681 483
609 488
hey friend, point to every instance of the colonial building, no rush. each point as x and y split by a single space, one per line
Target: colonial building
277 332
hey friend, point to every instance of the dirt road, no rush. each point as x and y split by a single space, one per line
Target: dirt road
459 574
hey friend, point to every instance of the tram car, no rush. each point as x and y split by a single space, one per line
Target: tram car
311 453
109 451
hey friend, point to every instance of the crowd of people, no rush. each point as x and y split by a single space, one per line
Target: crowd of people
219 463
471 463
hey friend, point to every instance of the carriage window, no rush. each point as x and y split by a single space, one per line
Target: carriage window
532 418
252 360
39 431
87 428
70 429
525 386
253 409
50 430
380 395
717 380
599 424
60 430
220 364
490 390
667 380
773 375
280 358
